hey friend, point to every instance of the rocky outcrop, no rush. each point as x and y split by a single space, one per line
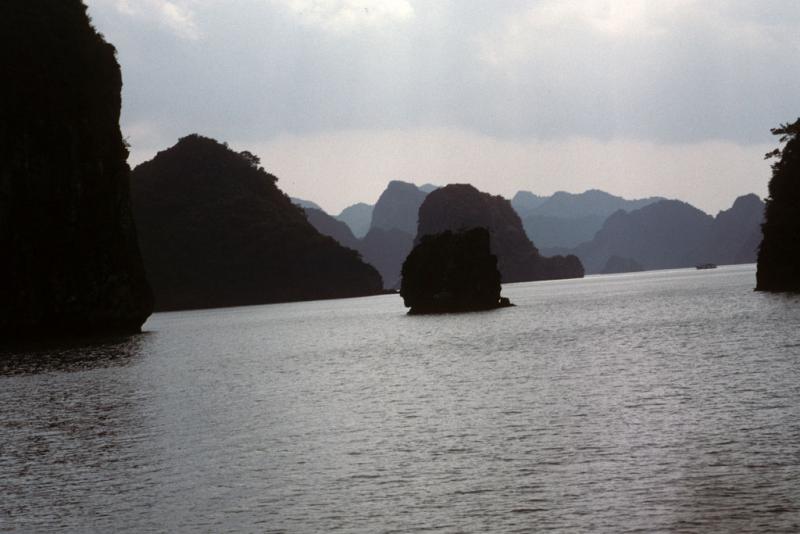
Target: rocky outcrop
216 231
452 272
458 207
779 254
71 262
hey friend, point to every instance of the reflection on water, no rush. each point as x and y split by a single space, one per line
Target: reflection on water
73 355
664 401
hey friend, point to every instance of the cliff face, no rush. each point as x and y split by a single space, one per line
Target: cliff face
216 231
779 254
735 233
397 207
460 206
71 263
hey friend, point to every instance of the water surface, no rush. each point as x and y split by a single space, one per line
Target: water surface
661 401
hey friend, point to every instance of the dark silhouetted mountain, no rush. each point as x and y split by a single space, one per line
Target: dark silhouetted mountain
358 217
458 207
216 231
673 234
327 225
386 250
428 188
305 203
71 263
566 219
616 264
525 202
397 207
779 254
452 272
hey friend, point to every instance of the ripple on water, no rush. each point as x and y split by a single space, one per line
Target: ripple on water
651 402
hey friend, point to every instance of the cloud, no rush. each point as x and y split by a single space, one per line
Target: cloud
176 16
346 15
564 26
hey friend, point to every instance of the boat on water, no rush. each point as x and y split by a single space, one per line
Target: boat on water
706 266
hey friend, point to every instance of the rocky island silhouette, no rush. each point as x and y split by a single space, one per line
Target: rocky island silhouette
452 272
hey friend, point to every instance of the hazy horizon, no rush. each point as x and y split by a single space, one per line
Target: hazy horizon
338 97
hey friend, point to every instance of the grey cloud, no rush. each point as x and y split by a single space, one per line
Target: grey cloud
715 70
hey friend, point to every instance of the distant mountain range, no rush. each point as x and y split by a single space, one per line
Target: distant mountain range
568 219
671 234
608 233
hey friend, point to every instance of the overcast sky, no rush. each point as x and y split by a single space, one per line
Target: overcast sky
636 97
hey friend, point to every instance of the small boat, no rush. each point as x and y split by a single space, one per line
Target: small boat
706 266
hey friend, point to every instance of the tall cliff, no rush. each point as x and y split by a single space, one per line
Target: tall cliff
779 254
71 263
458 207
216 231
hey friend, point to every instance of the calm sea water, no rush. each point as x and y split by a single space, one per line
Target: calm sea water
662 401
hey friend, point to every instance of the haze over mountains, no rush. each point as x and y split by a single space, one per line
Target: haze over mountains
671 234
607 232
358 217
568 219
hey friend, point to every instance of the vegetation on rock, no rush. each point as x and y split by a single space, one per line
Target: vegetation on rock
216 231
779 254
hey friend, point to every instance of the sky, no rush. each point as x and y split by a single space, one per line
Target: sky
338 97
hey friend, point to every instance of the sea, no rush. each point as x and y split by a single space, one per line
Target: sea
663 401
